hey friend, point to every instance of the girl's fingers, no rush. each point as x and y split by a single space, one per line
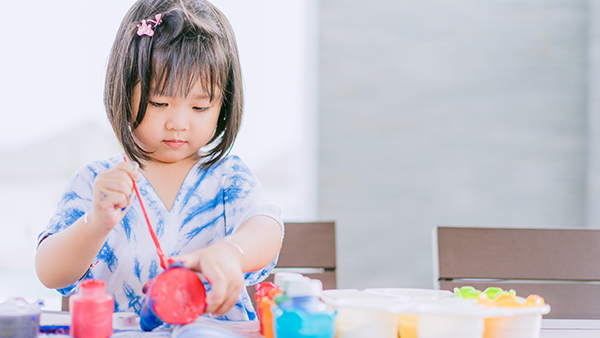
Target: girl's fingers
229 301
136 171
112 199
132 169
224 292
112 183
223 275
112 195
118 181
189 261
218 291
122 175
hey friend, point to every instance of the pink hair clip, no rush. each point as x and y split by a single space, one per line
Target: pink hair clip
146 29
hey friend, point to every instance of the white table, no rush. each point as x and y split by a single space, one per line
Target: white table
570 328
551 328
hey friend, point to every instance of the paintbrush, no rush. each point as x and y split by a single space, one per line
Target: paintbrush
161 255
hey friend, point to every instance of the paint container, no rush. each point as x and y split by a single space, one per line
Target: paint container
450 318
412 293
263 302
406 313
515 326
91 310
19 319
362 314
264 306
176 296
523 318
408 322
368 317
304 314
282 279
274 297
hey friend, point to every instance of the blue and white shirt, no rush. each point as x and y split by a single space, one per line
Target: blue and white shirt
211 204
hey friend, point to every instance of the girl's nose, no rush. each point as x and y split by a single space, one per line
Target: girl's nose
177 121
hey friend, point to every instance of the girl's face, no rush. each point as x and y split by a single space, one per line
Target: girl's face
175 127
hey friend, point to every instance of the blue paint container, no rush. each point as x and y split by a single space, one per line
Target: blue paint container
304 314
20 319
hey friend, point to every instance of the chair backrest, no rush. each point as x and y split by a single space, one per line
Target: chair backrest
561 265
308 248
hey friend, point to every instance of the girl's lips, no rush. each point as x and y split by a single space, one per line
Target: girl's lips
174 143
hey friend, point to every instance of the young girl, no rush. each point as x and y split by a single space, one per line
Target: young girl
173 95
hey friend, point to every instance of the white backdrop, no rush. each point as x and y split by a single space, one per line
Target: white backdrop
52 67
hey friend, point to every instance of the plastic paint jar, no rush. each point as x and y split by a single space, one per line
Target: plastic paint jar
304 314
91 310
522 320
263 300
444 318
176 296
281 280
265 304
407 323
362 314
359 318
516 326
520 317
19 319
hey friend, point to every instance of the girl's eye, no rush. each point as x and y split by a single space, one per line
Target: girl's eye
200 109
157 104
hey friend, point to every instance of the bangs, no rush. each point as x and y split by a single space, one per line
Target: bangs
177 67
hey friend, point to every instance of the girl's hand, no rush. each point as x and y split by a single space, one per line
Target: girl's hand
221 265
113 193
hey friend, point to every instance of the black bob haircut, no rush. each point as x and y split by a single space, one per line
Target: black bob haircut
194 42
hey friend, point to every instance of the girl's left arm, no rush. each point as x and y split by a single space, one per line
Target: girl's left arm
260 239
251 247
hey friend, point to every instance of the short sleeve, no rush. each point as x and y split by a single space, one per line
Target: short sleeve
74 202
243 199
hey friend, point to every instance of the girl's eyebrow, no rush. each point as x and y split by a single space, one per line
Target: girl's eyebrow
200 96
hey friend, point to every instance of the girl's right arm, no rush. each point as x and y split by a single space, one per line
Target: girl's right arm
64 257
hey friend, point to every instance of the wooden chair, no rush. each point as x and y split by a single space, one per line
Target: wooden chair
561 265
308 248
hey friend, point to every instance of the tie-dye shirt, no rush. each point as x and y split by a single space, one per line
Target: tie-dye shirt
211 204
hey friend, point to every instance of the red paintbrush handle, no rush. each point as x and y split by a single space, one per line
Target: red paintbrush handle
161 255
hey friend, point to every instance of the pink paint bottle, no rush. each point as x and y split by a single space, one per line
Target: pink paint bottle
91 311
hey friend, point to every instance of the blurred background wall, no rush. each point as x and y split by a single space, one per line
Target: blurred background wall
388 117
468 112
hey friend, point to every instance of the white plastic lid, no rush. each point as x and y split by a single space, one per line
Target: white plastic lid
334 295
282 278
18 306
458 308
379 304
304 287
413 293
